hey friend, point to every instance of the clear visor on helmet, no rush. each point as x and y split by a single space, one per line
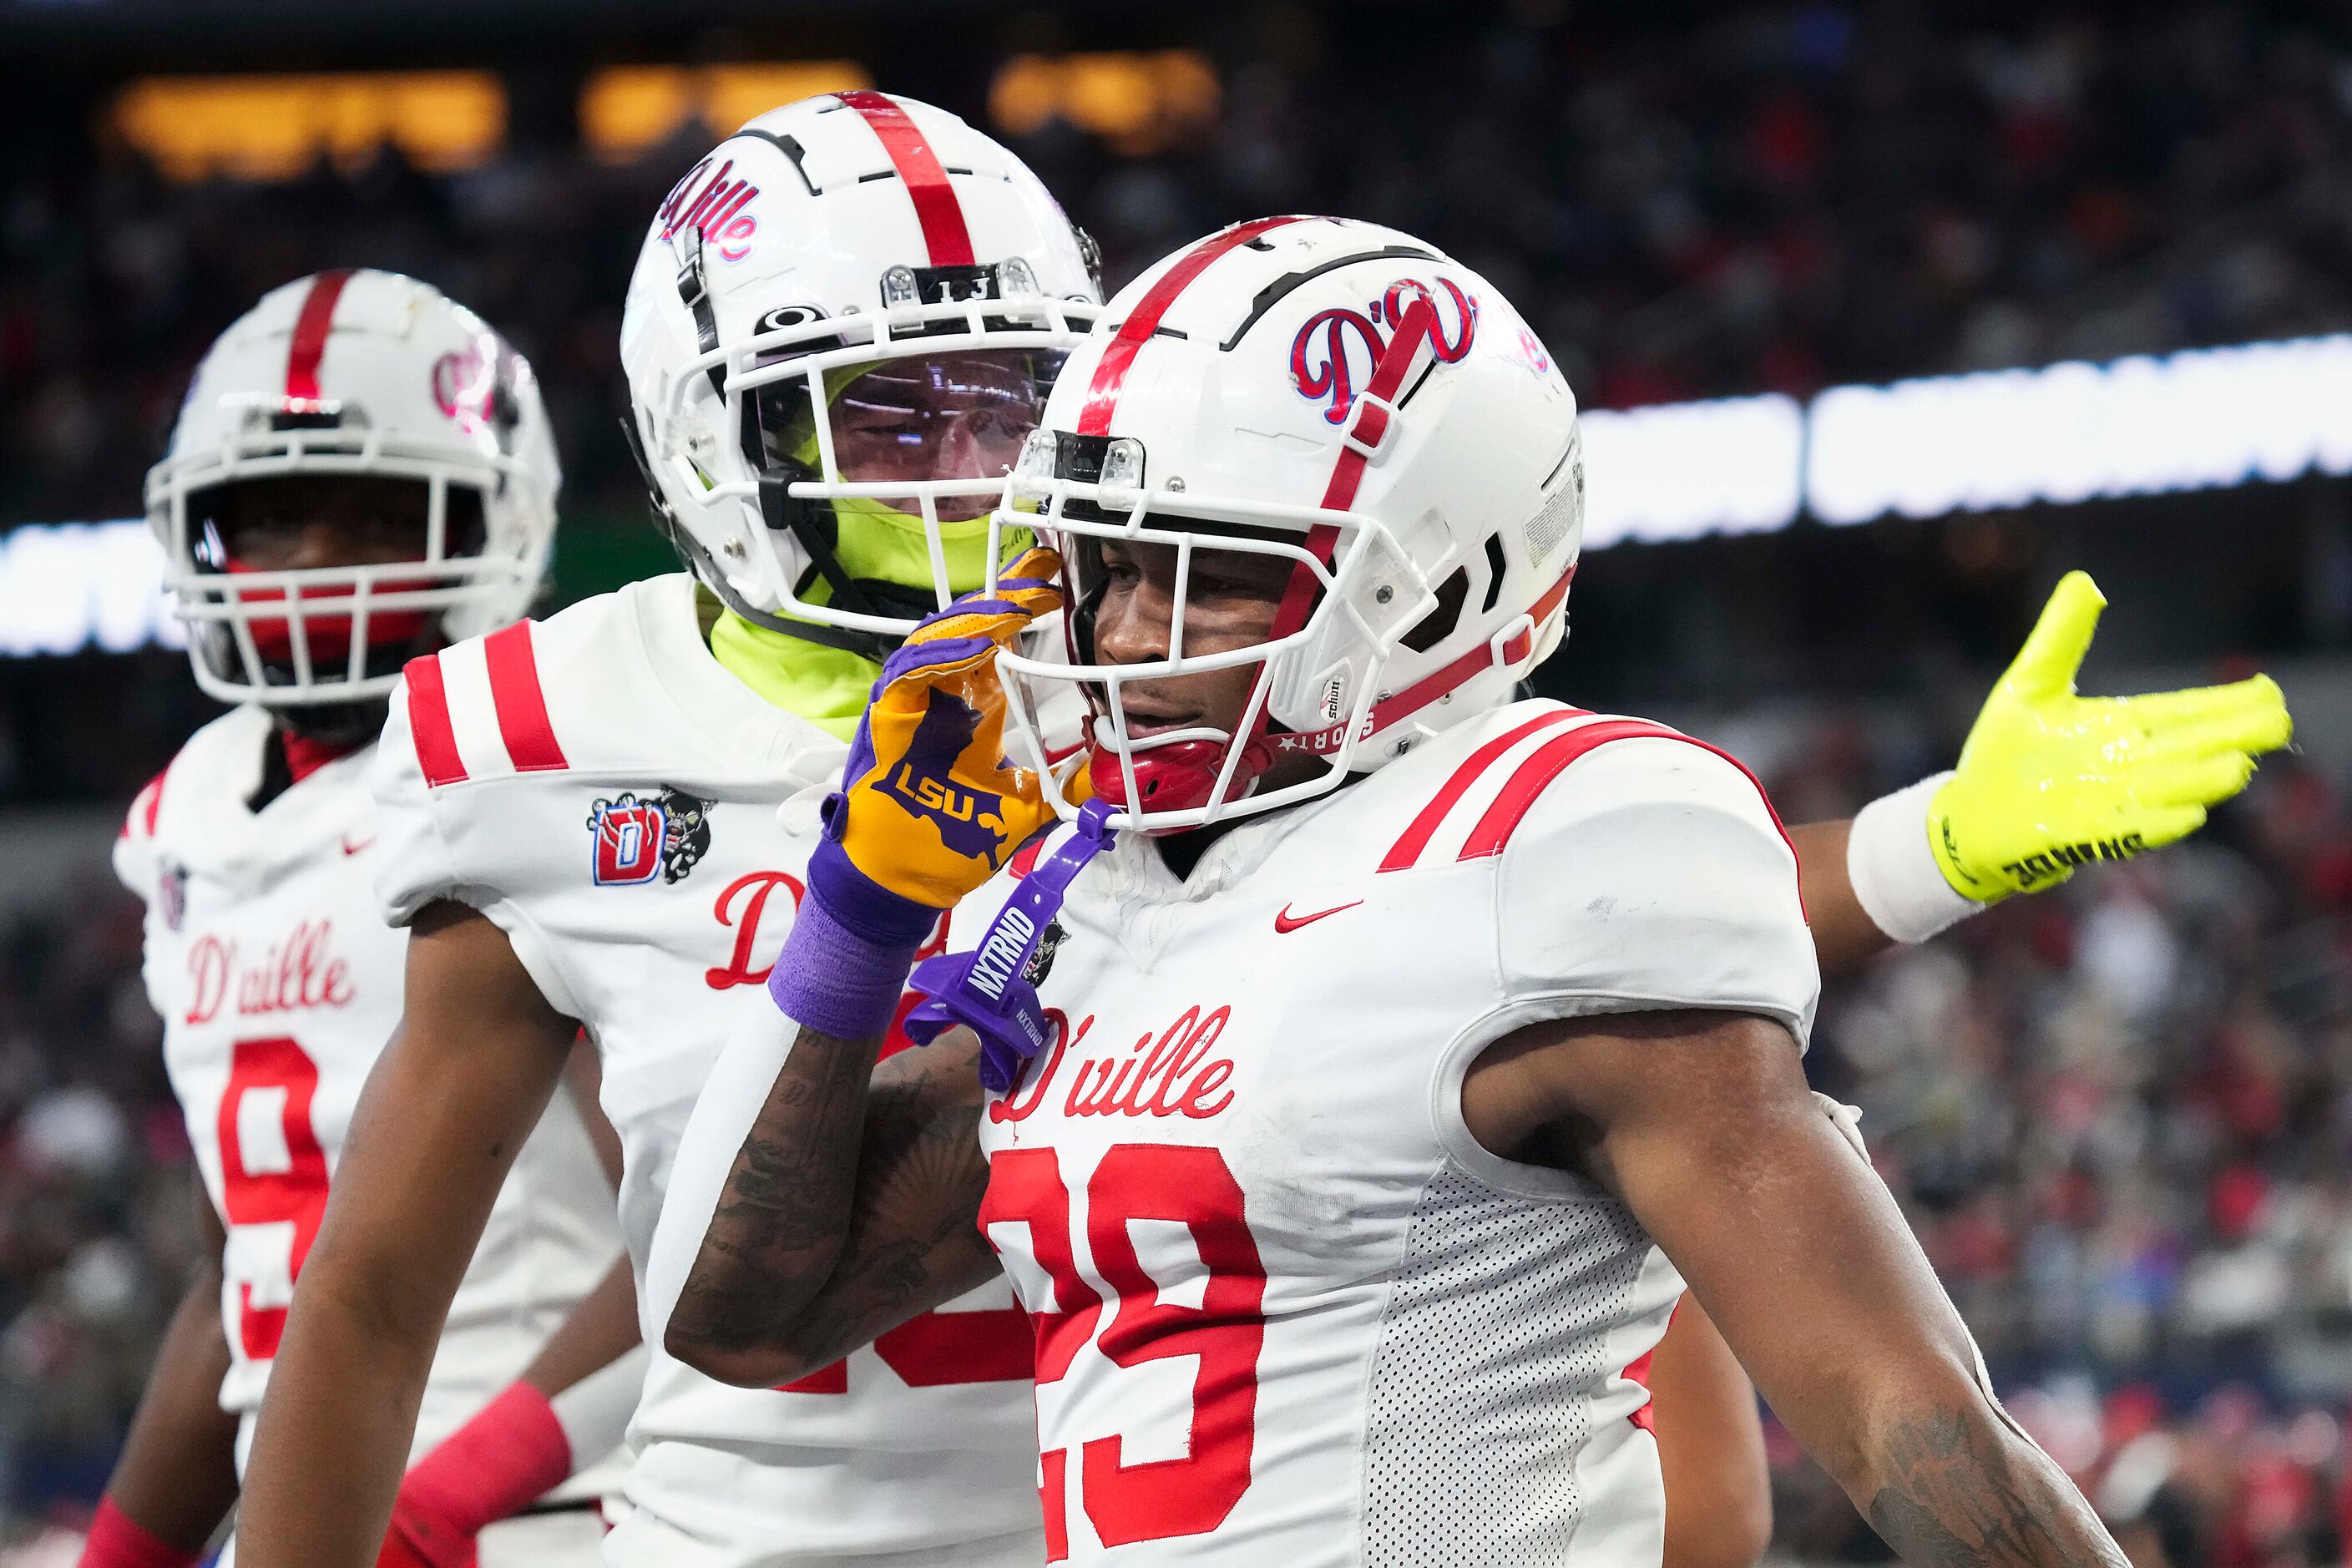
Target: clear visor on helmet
901 423
949 426
1194 621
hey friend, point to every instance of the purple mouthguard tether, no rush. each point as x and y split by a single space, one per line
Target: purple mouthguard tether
986 989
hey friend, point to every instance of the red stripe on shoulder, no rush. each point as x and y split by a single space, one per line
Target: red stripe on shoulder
521 705
1416 838
1519 798
909 152
144 806
428 723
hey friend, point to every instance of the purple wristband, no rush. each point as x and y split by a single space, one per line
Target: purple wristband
845 961
830 979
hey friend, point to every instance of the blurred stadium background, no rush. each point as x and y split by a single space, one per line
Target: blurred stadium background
1811 260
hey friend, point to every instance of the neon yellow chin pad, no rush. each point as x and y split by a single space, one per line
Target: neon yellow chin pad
827 686
894 549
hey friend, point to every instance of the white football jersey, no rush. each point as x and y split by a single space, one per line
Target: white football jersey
638 821
1287 1309
279 984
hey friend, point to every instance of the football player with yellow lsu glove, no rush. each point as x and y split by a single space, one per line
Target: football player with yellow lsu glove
2049 781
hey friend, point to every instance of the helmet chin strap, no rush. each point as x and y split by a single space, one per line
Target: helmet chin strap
1178 776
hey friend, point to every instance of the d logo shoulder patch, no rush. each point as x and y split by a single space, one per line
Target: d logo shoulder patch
636 838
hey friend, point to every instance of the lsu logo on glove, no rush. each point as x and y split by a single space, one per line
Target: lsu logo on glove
927 808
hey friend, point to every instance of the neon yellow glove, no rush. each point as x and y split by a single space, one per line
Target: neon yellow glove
928 809
2049 780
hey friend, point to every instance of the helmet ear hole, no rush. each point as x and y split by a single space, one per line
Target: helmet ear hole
1496 566
1438 625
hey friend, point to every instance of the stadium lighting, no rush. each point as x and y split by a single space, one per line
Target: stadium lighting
1682 469
2202 419
626 109
2198 419
69 586
275 127
1141 102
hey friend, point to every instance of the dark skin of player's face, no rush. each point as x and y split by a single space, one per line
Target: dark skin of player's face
1230 603
309 521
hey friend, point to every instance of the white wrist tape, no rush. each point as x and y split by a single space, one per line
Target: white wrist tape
1895 875
594 1412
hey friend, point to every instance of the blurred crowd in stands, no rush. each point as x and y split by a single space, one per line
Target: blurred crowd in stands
2120 1115
1687 202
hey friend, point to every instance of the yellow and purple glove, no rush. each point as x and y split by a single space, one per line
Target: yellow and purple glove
927 810
2049 781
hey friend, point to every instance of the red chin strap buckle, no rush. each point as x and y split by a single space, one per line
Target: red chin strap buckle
1176 777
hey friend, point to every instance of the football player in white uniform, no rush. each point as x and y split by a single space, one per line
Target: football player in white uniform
842 327
362 471
1346 1145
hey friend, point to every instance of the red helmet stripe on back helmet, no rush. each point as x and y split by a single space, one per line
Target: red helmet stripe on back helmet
311 324
935 207
1110 371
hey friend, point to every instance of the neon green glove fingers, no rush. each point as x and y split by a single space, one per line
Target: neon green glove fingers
2049 781
2256 696
2046 666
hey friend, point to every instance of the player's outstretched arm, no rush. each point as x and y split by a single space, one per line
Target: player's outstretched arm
1844 936
448 1104
1702 1122
176 1479
2048 782
1710 1447
849 1206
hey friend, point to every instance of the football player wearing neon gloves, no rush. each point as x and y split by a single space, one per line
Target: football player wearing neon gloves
2049 781
927 812
1404 1044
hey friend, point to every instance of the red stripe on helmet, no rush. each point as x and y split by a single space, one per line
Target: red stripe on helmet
429 726
1110 371
935 207
311 325
1373 404
1519 798
1416 838
521 707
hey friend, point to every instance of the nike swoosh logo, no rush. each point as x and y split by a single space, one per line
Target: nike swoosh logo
361 847
1286 922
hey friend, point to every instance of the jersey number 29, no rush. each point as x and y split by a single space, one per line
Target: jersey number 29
1192 1186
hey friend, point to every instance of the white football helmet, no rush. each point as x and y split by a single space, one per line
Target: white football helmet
343 373
841 329
1344 396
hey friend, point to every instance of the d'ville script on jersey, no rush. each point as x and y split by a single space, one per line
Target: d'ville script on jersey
301 972
1169 1074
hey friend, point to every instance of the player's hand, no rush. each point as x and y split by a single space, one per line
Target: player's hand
927 808
2049 780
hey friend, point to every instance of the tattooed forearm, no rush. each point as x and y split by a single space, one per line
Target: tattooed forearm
782 1217
849 1208
1962 1490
